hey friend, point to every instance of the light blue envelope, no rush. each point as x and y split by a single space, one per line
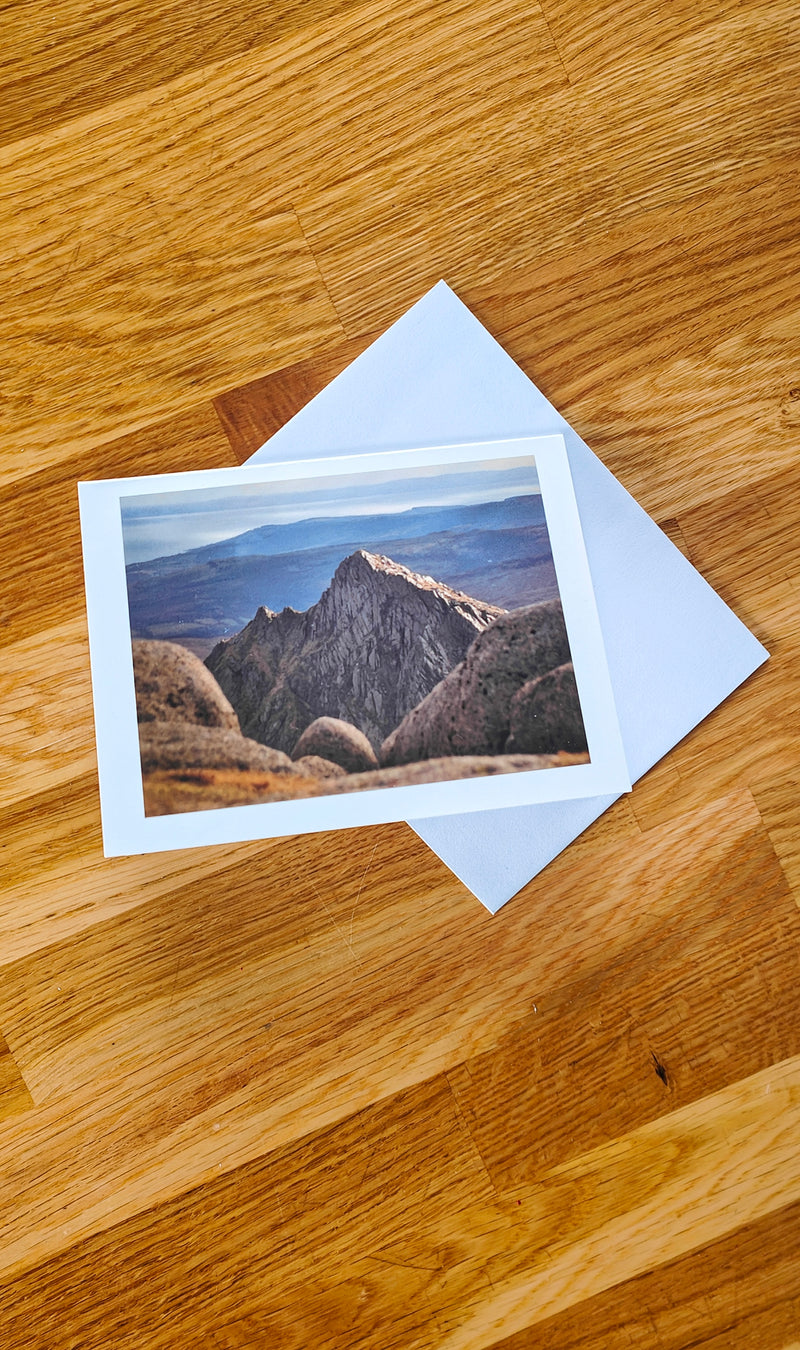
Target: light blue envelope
674 649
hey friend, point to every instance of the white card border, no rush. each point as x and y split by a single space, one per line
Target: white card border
126 829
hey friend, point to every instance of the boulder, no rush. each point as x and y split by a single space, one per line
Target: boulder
468 713
181 745
173 685
546 715
319 767
341 742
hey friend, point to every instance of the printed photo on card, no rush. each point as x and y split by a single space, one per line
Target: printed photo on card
316 645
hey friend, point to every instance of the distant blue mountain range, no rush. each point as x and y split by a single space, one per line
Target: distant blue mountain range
302 535
494 551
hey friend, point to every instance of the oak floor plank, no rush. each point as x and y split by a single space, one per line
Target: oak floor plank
134 301
636 1220
610 329
143 229
58 65
200 1009
56 882
253 412
46 716
778 800
666 1022
14 1095
266 1234
607 36
665 347
213 1010
196 208
747 549
473 1270
507 191
39 519
739 1292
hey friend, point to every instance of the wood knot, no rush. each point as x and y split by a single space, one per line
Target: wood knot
659 1068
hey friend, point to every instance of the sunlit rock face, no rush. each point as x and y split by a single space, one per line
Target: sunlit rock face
374 645
469 711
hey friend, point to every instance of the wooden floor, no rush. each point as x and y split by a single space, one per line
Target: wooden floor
308 1094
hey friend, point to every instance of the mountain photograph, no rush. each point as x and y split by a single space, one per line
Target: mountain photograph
410 631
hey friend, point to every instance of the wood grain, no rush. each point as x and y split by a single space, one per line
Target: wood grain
660 1021
778 800
738 1292
60 65
466 1270
308 1093
254 412
14 1095
50 499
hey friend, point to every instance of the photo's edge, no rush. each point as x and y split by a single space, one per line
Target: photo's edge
338 464
378 806
121 796
581 615
141 837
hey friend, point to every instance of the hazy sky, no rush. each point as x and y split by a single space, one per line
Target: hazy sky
159 524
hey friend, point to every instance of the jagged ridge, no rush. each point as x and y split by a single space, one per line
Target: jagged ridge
373 646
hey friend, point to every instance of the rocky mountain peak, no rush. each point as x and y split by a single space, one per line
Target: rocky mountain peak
362 563
375 643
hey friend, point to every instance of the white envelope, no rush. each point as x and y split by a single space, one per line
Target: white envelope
674 649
